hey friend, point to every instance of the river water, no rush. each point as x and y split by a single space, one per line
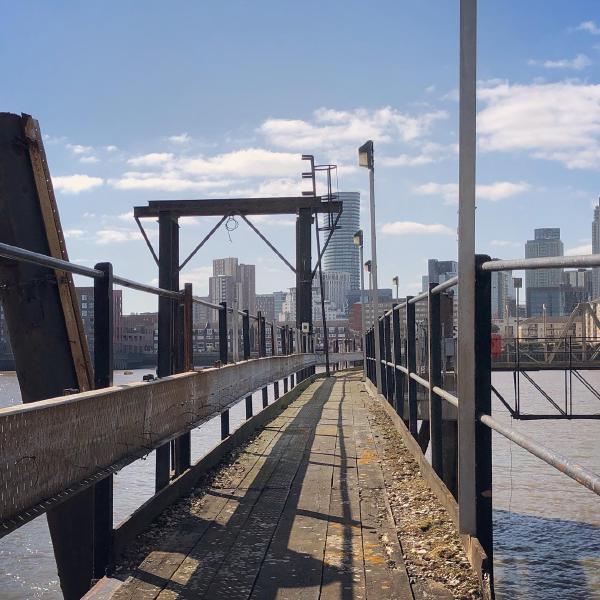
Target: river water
547 527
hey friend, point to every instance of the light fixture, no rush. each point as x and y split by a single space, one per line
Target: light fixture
358 238
368 266
365 155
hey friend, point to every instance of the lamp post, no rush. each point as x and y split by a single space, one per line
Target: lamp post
366 159
396 282
358 241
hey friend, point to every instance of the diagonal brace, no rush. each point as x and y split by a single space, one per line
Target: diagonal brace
266 241
326 242
204 240
145 236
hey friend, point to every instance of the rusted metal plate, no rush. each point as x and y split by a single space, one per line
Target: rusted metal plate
50 446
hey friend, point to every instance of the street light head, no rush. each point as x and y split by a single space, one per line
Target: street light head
396 280
517 283
358 238
365 155
368 266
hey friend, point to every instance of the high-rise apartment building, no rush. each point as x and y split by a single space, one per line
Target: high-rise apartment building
596 250
543 286
278 300
341 254
232 282
336 285
265 304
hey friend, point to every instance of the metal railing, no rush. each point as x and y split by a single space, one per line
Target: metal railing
400 377
173 457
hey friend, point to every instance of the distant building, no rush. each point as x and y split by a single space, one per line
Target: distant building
596 250
265 304
543 286
503 295
342 255
139 337
577 286
278 300
5 349
336 285
85 298
232 282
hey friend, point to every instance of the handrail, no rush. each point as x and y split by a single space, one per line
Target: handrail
21 254
548 262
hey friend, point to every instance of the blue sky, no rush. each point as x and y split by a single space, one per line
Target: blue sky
155 100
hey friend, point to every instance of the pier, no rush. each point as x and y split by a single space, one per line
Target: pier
366 473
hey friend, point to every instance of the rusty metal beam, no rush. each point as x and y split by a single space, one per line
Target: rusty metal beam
247 206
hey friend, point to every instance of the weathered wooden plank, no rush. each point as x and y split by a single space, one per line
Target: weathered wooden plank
385 572
155 572
120 424
343 568
298 544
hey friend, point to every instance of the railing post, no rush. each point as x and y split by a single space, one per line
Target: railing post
389 374
103 377
262 351
168 278
223 359
483 405
411 365
246 334
398 380
435 380
246 350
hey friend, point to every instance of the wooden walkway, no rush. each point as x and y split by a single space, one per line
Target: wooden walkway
303 514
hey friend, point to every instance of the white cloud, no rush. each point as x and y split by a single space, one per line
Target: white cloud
413 228
583 249
151 160
589 26
74 234
429 153
494 192
90 160
79 149
111 148
331 128
168 182
554 121
182 138
74 184
198 277
250 162
580 62
117 235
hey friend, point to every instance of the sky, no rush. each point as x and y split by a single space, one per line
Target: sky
173 100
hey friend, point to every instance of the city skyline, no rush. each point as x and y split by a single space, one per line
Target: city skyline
110 147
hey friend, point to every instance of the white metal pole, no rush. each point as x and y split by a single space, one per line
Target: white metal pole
467 500
375 290
362 309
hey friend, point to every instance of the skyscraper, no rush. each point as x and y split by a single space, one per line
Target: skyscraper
596 250
543 286
232 282
341 253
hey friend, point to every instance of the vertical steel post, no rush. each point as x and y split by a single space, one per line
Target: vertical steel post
168 278
398 381
362 310
223 359
389 371
182 446
262 351
103 377
246 350
483 405
411 365
467 492
304 268
435 380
